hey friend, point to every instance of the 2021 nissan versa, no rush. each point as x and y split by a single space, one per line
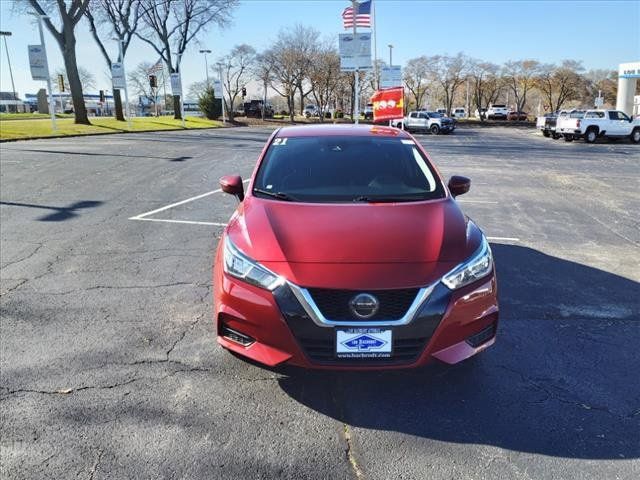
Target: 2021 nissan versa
348 251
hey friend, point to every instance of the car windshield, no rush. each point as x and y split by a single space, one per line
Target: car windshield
435 115
346 169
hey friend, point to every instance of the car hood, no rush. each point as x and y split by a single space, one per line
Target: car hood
412 232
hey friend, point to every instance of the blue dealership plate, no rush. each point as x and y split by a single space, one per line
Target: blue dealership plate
363 343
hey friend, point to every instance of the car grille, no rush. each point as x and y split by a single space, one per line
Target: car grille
334 304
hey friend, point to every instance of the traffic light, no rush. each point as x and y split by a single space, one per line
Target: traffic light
153 81
101 96
244 92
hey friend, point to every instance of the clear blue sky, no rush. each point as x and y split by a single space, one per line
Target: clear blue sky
600 33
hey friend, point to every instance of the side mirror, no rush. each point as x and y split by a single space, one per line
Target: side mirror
459 185
232 184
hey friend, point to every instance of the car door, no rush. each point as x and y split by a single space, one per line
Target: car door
615 126
424 120
412 121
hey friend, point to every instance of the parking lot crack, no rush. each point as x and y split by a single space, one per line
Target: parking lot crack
27 257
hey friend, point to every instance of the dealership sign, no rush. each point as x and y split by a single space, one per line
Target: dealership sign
391 76
629 70
388 104
38 63
355 51
176 84
117 75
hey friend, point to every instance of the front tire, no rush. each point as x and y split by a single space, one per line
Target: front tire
591 135
635 135
435 129
555 136
546 133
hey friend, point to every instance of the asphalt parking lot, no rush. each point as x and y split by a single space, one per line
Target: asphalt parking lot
110 367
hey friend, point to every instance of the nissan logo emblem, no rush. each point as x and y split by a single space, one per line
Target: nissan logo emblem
364 305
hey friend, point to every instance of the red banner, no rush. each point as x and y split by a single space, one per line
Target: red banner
388 104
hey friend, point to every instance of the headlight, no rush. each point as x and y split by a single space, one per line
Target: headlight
476 267
238 265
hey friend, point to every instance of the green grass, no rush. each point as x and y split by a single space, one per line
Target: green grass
31 116
24 129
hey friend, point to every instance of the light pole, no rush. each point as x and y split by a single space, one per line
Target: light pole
52 105
390 54
13 87
206 65
220 65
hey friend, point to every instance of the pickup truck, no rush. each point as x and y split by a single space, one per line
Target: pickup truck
599 124
425 121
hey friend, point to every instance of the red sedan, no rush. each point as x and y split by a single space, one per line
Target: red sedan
348 251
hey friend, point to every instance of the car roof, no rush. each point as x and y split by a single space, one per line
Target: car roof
329 130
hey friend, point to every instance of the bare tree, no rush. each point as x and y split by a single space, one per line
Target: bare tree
263 71
324 75
485 84
117 18
416 78
87 79
559 84
236 72
448 73
604 82
520 77
139 81
68 14
197 89
169 26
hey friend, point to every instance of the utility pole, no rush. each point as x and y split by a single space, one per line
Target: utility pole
182 97
52 105
13 87
206 65
390 54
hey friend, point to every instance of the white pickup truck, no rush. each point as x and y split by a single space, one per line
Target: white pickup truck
425 121
599 123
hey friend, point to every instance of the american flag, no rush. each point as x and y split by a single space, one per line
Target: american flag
363 15
157 67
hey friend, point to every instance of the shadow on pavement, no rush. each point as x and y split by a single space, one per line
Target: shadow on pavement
98 154
558 382
60 213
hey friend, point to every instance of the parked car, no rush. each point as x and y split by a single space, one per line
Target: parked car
311 111
326 291
368 111
596 124
425 121
497 112
517 115
548 127
459 113
442 111
253 108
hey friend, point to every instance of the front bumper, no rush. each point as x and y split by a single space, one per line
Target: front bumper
275 328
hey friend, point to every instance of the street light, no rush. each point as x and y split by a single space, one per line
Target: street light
206 65
13 87
390 55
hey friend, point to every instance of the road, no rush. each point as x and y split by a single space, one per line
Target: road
110 367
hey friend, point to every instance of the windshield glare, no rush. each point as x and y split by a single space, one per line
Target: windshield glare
346 169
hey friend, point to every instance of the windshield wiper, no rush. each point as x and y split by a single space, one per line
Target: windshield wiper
365 198
279 195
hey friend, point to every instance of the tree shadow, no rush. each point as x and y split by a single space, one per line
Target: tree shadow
92 154
60 213
558 382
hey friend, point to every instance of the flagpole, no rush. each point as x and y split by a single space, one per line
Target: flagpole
356 93
376 73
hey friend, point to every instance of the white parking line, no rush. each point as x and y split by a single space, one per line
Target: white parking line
182 202
189 222
503 239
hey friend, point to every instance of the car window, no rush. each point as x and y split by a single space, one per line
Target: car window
423 115
413 115
347 168
434 115
623 116
614 116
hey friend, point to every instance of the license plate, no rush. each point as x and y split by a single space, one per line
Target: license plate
363 343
